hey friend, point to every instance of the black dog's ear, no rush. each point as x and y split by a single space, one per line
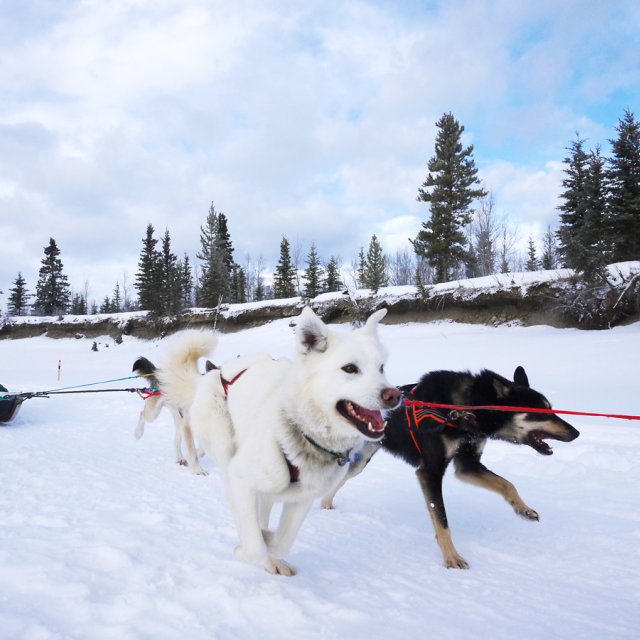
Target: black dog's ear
520 377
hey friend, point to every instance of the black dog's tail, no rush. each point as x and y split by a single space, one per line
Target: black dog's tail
144 367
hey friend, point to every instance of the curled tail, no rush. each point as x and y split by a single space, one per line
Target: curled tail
179 374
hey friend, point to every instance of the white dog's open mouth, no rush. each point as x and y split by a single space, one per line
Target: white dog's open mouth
369 423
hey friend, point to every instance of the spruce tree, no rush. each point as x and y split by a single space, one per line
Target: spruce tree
18 296
361 268
116 299
284 279
532 258
449 190
313 274
333 281
78 305
148 277
595 232
215 253
375 270
238 292
52 289
170 278
186 282
549 250
573 207
624 201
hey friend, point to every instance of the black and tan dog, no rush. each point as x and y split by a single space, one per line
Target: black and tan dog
432 444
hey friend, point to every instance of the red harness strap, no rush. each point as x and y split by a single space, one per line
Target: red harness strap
149 393
416 413
294 472
227 383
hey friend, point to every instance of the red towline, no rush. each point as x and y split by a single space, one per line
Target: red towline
436 405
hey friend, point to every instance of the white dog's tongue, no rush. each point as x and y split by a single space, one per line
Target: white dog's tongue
372 418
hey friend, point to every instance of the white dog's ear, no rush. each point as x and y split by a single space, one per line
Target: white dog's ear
312 334
373 320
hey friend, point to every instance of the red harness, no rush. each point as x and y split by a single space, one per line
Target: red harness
415 413
227 383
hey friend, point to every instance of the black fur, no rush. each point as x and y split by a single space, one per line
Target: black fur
438 446
143 367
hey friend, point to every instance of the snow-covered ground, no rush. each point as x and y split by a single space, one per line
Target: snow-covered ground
105 537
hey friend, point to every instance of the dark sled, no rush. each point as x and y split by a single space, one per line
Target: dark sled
9 406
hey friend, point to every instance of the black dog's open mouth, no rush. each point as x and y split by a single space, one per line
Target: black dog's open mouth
368 423
536 440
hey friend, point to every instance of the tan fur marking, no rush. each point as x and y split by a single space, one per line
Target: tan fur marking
493 482
452 559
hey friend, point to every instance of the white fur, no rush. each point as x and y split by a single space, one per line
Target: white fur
263 419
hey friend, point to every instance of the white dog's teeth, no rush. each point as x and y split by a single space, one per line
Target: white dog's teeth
370 427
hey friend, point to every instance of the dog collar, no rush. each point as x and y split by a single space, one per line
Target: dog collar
340 458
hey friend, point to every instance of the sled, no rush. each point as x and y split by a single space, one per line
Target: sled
9 406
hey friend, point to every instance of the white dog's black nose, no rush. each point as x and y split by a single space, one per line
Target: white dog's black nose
391 397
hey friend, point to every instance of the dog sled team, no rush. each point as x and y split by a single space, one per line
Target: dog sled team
290 431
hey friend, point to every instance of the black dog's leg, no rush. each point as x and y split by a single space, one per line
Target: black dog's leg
431 485
470 469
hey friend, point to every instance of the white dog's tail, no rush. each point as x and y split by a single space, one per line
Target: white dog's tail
179 373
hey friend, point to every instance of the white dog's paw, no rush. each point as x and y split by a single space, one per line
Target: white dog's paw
278 567
199 471
139 432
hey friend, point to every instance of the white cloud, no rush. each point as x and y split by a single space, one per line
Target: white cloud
312 120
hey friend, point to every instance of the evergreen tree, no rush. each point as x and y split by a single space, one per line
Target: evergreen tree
375 271
259 293
624 201
573 207
595 232
549 250
148 277
116 300
217 263
170 277
18 296
78 305
284 277
532 259
224 243
52 289
449 190
471 263
333 281
186 282
238 291
106 306
361 268
313 274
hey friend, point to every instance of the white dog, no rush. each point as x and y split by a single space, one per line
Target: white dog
284 431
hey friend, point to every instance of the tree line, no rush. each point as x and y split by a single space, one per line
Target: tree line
599 223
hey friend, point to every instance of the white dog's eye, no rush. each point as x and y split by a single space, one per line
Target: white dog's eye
381 368
351 368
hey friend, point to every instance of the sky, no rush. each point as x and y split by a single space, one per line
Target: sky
314 120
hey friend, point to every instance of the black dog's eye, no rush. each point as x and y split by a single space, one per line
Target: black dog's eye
350 368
